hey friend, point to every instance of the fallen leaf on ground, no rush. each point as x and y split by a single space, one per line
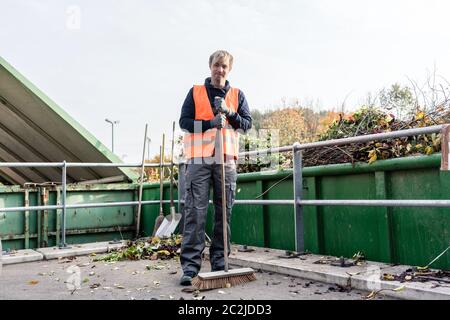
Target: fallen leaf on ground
33 282
158 267
399 288
83 264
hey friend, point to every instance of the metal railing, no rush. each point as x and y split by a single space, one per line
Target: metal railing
297 202
64 206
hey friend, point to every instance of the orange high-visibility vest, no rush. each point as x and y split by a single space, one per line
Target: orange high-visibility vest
202 144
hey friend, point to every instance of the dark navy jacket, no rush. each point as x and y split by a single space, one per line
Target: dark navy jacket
241 120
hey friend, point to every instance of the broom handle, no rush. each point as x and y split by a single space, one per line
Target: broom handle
224 203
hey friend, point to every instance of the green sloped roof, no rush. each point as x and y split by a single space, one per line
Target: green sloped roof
33 128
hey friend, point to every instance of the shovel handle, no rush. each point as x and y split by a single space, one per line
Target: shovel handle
171 167
161 173
141 181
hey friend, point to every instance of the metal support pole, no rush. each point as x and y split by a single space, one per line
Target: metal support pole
38 219
445 148
27 219
58 217
298 185
63 243
44 218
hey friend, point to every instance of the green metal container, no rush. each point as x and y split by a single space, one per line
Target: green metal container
403 235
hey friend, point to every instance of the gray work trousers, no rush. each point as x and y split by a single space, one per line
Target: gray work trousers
199 178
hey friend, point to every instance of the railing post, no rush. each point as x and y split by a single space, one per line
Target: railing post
63 243
298 185
445 148
27 219
58 217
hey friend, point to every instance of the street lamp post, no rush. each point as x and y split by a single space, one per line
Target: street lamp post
112 132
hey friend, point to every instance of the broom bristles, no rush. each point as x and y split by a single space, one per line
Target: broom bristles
225 281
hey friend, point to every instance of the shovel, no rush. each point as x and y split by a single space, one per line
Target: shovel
171 221
141 181
160 219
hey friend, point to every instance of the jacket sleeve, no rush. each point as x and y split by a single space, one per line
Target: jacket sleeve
187 117
242 119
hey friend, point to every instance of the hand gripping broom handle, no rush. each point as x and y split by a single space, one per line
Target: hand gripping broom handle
224 202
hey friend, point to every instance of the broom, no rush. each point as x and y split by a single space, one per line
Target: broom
226 278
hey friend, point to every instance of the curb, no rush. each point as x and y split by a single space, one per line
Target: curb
21 256
29 255
80 249
365 277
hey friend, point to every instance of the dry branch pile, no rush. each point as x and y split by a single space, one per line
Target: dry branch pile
371 121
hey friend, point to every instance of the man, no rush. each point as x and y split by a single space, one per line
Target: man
202 120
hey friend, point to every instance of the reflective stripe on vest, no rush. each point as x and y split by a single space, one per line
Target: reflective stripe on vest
200 144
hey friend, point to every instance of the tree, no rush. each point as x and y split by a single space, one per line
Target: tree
257 117
398 99
290 122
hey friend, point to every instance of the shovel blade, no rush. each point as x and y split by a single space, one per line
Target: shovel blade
173 225
162 228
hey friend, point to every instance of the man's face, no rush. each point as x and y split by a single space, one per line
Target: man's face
220 68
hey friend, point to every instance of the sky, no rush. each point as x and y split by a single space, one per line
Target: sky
135 61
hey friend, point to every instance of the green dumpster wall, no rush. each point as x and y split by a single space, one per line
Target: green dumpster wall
404 235
82 225
397 235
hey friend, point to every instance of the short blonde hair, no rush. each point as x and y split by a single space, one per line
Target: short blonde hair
221 54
